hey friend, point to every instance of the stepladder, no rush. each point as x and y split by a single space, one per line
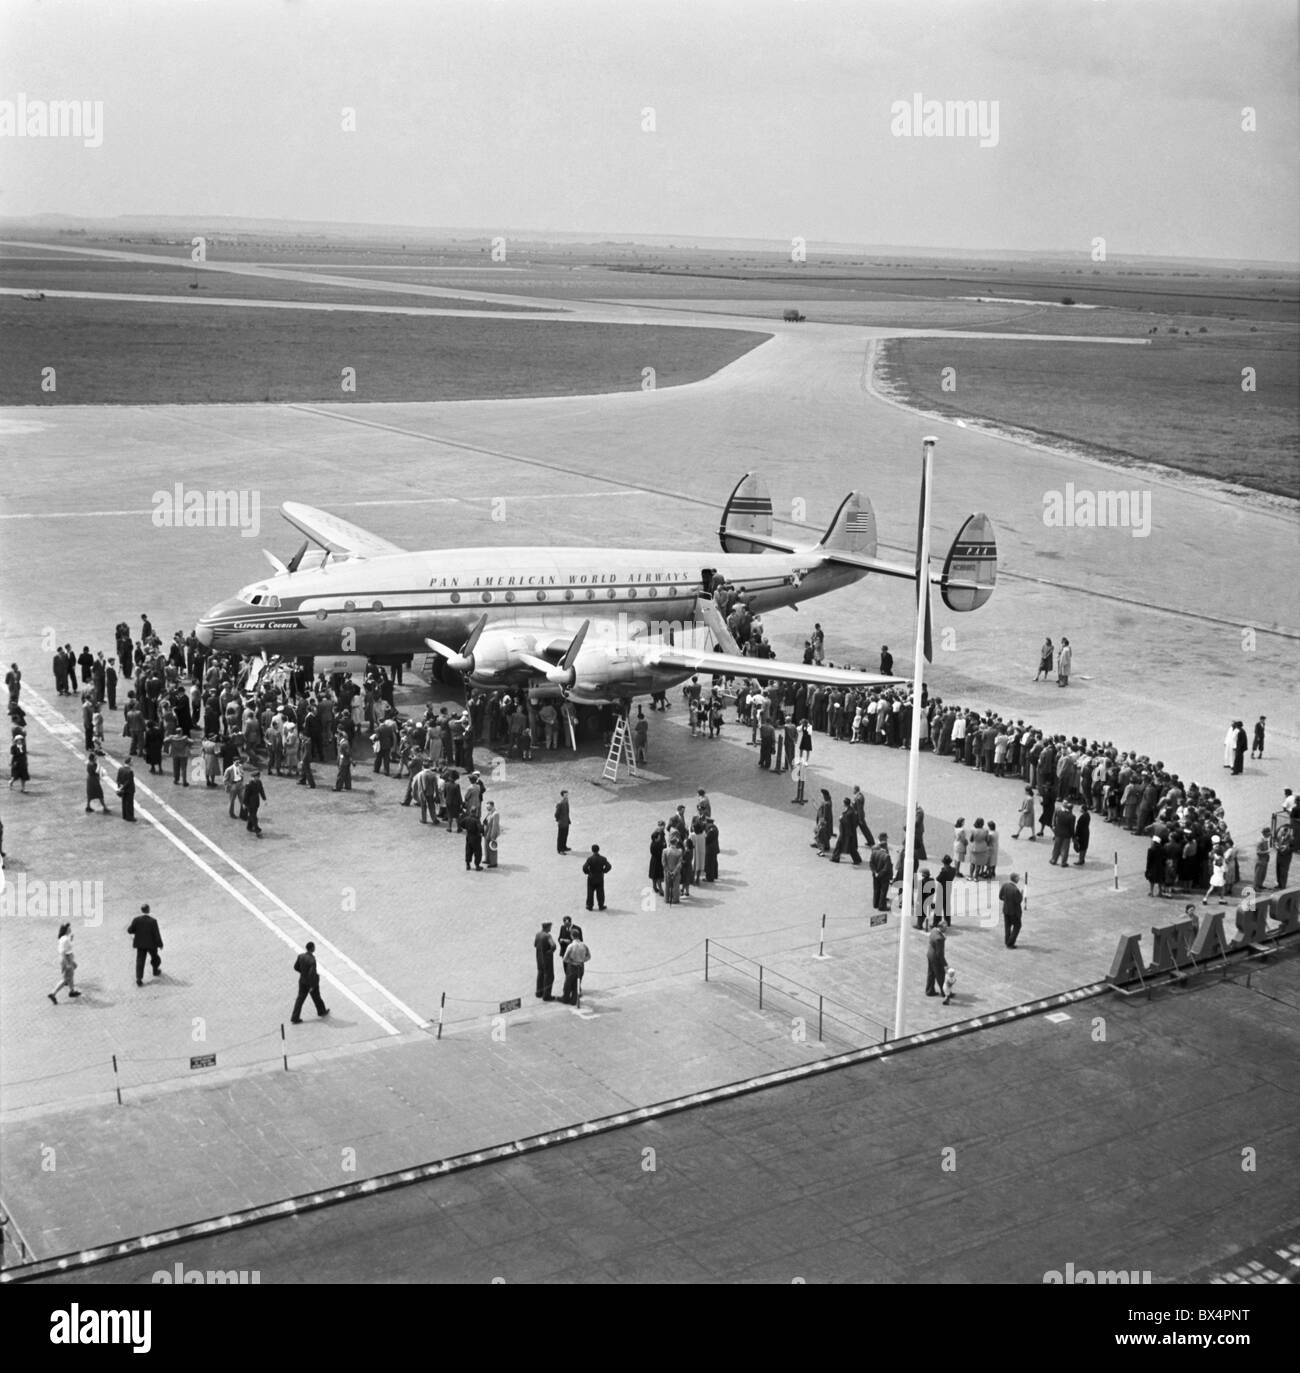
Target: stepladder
620 752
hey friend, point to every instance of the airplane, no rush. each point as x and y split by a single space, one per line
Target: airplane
592 625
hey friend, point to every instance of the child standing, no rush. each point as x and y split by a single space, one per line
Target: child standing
1026 815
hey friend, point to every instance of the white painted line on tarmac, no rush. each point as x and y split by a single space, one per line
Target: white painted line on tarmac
312 933
72 514
59 729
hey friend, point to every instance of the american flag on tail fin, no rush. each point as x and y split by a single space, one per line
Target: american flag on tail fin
859 522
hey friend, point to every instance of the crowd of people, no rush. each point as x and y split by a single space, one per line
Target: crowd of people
217 723
1067 781
184 705
684 851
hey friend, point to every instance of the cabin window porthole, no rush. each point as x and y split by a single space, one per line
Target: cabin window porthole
591 595
322 614
510 596
376 605
486 597
568 595
541 595
349 605
455 598
611 593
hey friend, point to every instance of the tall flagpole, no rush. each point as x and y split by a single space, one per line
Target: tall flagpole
914 757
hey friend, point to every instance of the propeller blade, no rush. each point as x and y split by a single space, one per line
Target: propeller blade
571 655
464 660
539 664
274 561
474 636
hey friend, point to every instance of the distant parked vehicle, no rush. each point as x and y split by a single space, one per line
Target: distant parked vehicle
793 317
33 295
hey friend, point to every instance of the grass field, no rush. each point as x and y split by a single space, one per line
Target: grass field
98 274
119 353
1177 402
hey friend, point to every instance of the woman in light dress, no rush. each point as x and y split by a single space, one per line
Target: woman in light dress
959 841
67 965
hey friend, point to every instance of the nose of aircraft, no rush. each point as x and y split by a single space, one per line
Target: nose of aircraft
208 629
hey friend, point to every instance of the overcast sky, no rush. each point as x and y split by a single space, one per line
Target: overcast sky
1119 119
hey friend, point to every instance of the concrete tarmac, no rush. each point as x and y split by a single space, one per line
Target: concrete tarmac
1153 1140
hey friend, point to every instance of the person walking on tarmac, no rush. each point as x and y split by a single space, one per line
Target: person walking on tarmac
308 985
254 795
147 940
67 965
847 842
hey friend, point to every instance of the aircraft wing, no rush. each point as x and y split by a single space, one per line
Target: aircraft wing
738 665
334 534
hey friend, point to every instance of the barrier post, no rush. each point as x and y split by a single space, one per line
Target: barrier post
1114 889
442 1006
283 1052
117 1085
819 1017
706 960
760 986
821 945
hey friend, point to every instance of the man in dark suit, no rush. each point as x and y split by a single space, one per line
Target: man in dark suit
860 812
1063 832
308 984
126 790
544 947
882 871
562 824
848 836
1013 900
147 939
596 866
254 795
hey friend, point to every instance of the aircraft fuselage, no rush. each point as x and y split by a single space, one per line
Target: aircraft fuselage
389 605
